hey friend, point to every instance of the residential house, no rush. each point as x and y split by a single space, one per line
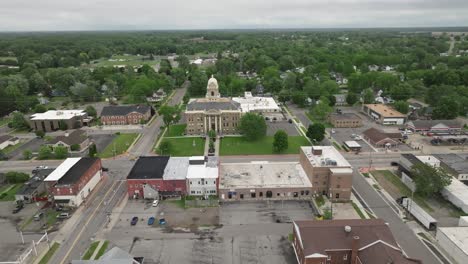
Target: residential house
382 139
157 96
125 114
355 241
74 180
75 141
7 140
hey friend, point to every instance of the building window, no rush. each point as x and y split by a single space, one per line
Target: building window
307 192
345 257
192 192
214 182
337 196
328 257
190 182
338 186
302 192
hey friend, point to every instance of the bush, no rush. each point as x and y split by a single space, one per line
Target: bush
27 154
40 133
45 153
40 109
60 152
75 147
16 177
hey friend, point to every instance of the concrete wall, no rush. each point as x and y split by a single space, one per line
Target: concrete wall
450 247
262 193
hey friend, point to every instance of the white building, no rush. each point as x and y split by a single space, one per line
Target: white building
202 176
251 103
7 140
454 240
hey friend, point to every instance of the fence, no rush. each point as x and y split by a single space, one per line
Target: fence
31 253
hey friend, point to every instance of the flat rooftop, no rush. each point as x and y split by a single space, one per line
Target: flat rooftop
457 162
60 171
58 115
149 168
262 175
253 103
352 144
345 116
458 189
328 153
384 110
176 168
458 235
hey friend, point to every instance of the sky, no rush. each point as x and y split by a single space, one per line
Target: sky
58 15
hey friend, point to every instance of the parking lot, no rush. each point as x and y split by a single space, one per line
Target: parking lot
255 232
101 140
344 134
289 128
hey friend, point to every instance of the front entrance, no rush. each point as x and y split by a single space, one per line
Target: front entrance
269 194
213 127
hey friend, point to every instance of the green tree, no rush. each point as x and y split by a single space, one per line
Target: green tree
368 96
27 154
252 126
164 148
16 177
401 106
40 109
446 108
170 114
19 122
322 109
75 147
92 151
45 152
60 152
316 132
351 98
212 134
284 96
429 180
280 141
299 98
91 111
40 133
62 125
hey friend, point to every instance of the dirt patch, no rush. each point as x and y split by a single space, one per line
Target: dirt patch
387 185
192 218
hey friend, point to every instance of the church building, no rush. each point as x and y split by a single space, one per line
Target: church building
213 112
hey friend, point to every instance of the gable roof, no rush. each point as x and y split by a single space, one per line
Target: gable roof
376 241
75 137
122 110
71 170
427 124
376 135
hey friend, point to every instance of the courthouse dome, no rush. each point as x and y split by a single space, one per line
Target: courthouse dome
212 82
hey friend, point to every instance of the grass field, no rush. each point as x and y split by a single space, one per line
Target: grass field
45 259
10 191
7 58
131 60
182 147
264 146
176 130
90 250
102 249
12 148
120 144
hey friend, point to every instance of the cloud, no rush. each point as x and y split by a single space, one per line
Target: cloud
52 15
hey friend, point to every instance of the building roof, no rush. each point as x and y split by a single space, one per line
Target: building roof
352 144
376 243
60 171
385 111
176 168
329 153
77 170
254 103
199 168
263 175
427 124
58 115
123 110
456 162
205 105
377 135
34 182
458 235
75 137
4 138
457 189
345 116
149 168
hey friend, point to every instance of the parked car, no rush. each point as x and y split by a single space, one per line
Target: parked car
155 203
18 208
38 216
105 169
290 121
162 221
134 221
394 163
63 216
151 220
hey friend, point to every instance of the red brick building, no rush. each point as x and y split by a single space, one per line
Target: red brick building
73 180
125 114
356 241
157 176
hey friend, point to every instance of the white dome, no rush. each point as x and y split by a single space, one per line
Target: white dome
212 81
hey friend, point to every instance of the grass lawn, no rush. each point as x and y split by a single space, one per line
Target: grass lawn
45 259
120 143
51 217
10 191
358 211
314 120
102 250
405 191
176 130
4 121
182 147
4 58
12 148
90 250
264 146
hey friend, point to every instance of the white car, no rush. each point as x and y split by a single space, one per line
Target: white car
155 203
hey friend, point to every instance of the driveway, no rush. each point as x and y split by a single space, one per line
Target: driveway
33 145
273 127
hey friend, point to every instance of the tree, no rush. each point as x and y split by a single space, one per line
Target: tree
332 100
44 153
19 122
62 125
368 96
322 109
351 98
401 106
60 152
211 146
446 108
284 96
165 148
92 151
316 132
280 141
212 134
429 180
40 133
27 154
252 126
299 98
170 114
40 109
91 111
16 177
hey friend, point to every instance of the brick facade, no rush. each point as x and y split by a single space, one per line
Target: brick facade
135 186
129 119
75 188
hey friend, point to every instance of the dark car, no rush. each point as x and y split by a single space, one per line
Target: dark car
18 208
394 163
134 221
290 121
151 220
105 169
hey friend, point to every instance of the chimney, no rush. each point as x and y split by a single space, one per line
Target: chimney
354 249
316 151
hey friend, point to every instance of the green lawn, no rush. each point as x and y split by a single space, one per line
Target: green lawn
102 250
118 145
176 130
358 211
315 120
264 146
405 191
10 191
51 217
12 148
182 147
90 251
131 60
45 259
4 121
4 58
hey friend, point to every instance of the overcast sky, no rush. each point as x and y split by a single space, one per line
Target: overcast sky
52 15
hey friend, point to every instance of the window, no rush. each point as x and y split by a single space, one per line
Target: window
302 192
345 257
192 192
337 196
307 192
190 182
214 182
338 186
328 257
